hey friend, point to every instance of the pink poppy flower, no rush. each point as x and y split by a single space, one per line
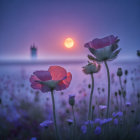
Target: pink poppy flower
56 78
103 49
103 42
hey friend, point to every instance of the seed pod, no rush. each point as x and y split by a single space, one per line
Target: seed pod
126 72
124 94
120 93
116 94
119 72
138 95
93 107
125 81
138 53
89 85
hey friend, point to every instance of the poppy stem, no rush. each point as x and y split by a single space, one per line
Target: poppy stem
121 84
54 115
74 125
108 76
90 99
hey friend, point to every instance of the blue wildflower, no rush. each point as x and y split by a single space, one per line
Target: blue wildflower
118 114
97 130
116 121
84 129
33 138
104 121
89 122
97 120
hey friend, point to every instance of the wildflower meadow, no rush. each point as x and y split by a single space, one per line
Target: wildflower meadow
97 99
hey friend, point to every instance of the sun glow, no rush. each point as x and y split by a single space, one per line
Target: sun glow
68 43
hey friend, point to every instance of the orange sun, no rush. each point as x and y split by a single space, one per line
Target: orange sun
69 43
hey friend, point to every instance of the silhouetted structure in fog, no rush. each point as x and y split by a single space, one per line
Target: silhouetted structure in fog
33 51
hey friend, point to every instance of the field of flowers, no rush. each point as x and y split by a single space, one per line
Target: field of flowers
94 100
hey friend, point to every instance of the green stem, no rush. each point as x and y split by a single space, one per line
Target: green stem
74 125
92 110
121 84
54 115
122 89
73 116
108 76
117 101
120 102
90 99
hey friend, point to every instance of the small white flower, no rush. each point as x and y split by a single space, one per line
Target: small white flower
102 107
128 104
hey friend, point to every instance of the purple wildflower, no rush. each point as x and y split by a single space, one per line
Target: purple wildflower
97 120
116 121
118 114
97 131
89 122
84 129
104 121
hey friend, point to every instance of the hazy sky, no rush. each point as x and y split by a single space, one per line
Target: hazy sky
48 22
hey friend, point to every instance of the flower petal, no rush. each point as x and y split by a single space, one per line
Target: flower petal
64 83
57 72
92 50
115 54
45 88
87 45
92 58
43 75
103 42
103 53
114 47
34 83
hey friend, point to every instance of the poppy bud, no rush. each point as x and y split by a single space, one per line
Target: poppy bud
119 72
91 68
93 107
138 53
125 81
116 94
124 94
103 89
132 111
126 72
89 85
69 121
71 100
138 95
119 92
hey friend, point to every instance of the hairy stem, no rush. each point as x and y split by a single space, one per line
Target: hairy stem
108 76
54 115
74 125
90 99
